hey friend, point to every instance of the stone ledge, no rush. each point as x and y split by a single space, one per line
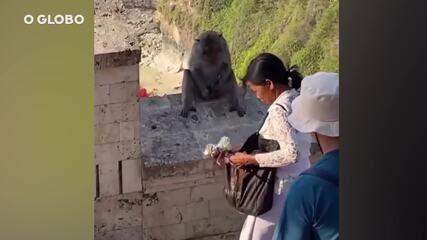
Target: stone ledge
117 59
168 139
133 233
118 212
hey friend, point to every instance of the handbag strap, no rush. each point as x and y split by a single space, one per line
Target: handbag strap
283 107
322 175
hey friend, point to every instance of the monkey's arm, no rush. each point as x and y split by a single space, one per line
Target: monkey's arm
224 74
199 81
235 98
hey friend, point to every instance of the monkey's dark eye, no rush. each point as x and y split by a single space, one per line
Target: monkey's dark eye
204 52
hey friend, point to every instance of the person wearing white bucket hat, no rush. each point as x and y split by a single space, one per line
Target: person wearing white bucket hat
311 208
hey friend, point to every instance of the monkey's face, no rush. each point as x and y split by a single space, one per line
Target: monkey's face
210 47
211 54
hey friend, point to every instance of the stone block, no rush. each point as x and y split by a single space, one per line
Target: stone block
132 91
131 111
156 217
220 207
130 150
118 92
131 174
124 92
118 212
107 133
108 179
225 236
129 130
213 226
152 187
121 56
102 94
167 199
206 191
108 153
170 232
174 181
194 211
151 171
133 233
110 113
117 75
180 185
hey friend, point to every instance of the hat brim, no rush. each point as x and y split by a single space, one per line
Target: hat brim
306 125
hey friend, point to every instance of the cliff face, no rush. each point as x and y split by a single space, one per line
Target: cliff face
301 32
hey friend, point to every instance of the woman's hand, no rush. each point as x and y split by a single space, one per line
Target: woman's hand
241 159
220 159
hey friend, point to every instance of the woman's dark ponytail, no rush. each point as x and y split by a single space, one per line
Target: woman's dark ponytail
269 66
295 77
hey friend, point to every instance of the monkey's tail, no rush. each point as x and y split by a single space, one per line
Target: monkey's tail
244 89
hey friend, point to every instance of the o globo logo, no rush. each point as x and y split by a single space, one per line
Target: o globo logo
54 19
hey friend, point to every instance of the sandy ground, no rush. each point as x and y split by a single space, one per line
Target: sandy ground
123 24
159 83
120 26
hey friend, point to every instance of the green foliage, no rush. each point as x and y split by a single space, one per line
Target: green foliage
321 51
302 32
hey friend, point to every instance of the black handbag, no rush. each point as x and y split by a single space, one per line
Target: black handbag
250 189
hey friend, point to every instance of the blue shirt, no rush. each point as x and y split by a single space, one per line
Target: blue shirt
311 208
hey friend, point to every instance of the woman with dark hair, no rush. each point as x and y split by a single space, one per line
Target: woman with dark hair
275 85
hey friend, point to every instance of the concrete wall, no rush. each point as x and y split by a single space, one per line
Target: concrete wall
185 201
181 195
118 200
152 180
182 191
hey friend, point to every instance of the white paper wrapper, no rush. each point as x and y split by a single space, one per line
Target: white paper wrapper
223 145
209 149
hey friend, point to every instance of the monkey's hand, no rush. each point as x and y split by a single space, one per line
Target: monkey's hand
240 111
205 93
184 112
200 83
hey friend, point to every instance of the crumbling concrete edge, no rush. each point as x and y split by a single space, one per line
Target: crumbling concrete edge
117 59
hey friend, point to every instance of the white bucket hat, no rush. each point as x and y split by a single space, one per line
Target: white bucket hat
316 109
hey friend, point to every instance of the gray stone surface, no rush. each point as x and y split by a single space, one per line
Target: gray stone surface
168 138
189 202
126 25
131 173
117 128
117 59
226 236
170 232
133 233
109 179
118 212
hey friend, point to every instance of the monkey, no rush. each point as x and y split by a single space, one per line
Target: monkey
209 74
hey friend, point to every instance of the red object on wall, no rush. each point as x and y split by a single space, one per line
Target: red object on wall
143 92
